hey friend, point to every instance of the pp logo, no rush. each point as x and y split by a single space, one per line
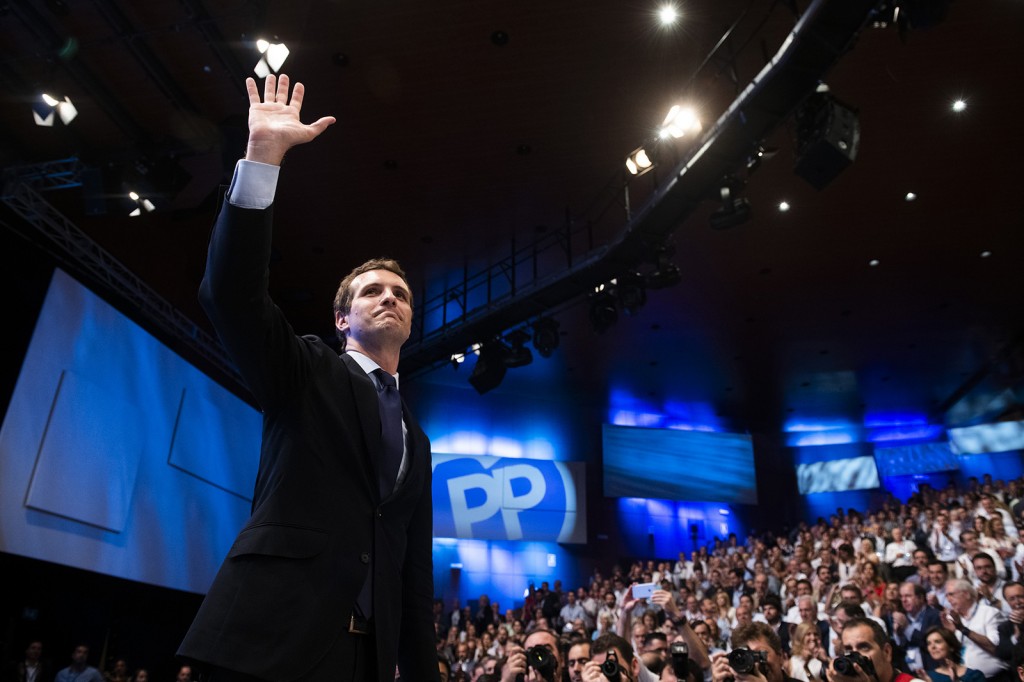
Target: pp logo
497 498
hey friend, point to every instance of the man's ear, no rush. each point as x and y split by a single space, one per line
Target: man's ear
341 322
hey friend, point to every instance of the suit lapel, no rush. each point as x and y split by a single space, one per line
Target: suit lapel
365 398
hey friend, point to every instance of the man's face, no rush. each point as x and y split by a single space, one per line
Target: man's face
908 597
743 615
937 575
803 590
570 598
659 647
971 543
380 314
579 654
550 642
851 595
502 635
960 601
34 651
489 665
609 600
860 638
691 604
985 569
80 655
601 657
771 614
462 651
808 611
184 673
1014 596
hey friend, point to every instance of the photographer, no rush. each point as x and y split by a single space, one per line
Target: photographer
611 660
756 657
541 660
868 655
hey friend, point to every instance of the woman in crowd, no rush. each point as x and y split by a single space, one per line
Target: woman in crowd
871 584
809 659
945 651
725 607
996 539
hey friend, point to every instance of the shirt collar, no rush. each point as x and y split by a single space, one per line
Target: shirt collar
368 365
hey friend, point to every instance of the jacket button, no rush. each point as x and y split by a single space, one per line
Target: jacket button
365 557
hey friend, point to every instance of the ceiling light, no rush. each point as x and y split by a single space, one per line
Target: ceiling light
603 311
262 45
518 355
668 15
545 336
490 367
874 262
274 55
783 206
986 254
50 100
638 162
141 205
910 196
680 121
959 105
48 108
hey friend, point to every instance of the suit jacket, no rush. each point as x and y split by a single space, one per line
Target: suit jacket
284 594
930 617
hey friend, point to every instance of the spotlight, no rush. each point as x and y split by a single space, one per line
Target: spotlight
666 273
44 110
680 121
518 355
490 367
141 204
828 135
272 59
668 15
632 293
603 309
545 336
638 162
734 211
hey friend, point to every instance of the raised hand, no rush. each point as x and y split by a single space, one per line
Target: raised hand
274 123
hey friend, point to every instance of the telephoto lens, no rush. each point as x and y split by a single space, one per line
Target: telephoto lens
540 659
680 660
844 664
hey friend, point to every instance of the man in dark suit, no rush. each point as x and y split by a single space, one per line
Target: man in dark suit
331 578
908 629
1011 631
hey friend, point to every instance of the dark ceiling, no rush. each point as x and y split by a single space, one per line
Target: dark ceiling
452 145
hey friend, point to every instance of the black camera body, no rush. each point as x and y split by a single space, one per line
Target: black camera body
543 661
844 664
744 660
610 667
680 659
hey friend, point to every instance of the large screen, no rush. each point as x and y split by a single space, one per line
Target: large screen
921 458
853 473
998 437
671 464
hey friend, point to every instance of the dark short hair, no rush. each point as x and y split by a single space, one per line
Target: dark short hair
984 555
651 636
610 640
771 600
877 631
343 297
747 633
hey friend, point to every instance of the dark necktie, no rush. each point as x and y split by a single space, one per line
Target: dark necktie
390 431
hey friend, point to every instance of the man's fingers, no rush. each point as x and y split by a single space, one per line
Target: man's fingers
269 88
297 93
254 93
282 89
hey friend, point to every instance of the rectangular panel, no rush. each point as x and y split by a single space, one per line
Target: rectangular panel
505 498
671 464
89 456
922 458
855 473
998 437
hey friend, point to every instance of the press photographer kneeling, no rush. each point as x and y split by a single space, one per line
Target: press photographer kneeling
868 656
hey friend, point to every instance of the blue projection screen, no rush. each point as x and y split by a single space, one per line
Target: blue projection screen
853 473
922 458
670 464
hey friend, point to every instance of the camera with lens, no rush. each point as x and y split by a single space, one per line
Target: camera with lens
844 664
610 667
543 661
680 659
744 660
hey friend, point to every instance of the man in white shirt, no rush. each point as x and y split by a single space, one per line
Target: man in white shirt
942 541
964 562
976 626
899 554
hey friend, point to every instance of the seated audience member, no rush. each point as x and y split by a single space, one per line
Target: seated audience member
971 544
920 575
1012 629
804 588
867 638
976 626
899 556
987 581
908 628
944 653
756 637
808 657
771 613
31 667
938 576
576 660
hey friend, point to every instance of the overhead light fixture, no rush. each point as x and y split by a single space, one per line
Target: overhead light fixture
47 108
632 292
665 273
828 135
518 355
604 310
735 210
272 59
959 105
545 336
638 162
784 206
680 121
141 204
490 367
668 15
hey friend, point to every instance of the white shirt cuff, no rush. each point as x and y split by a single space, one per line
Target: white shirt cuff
253 184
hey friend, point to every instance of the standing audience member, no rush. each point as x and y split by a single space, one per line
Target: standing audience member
32 667
79 670
977 628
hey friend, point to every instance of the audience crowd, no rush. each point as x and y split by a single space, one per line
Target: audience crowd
928 589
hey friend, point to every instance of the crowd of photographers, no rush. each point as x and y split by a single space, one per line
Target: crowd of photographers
929 590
